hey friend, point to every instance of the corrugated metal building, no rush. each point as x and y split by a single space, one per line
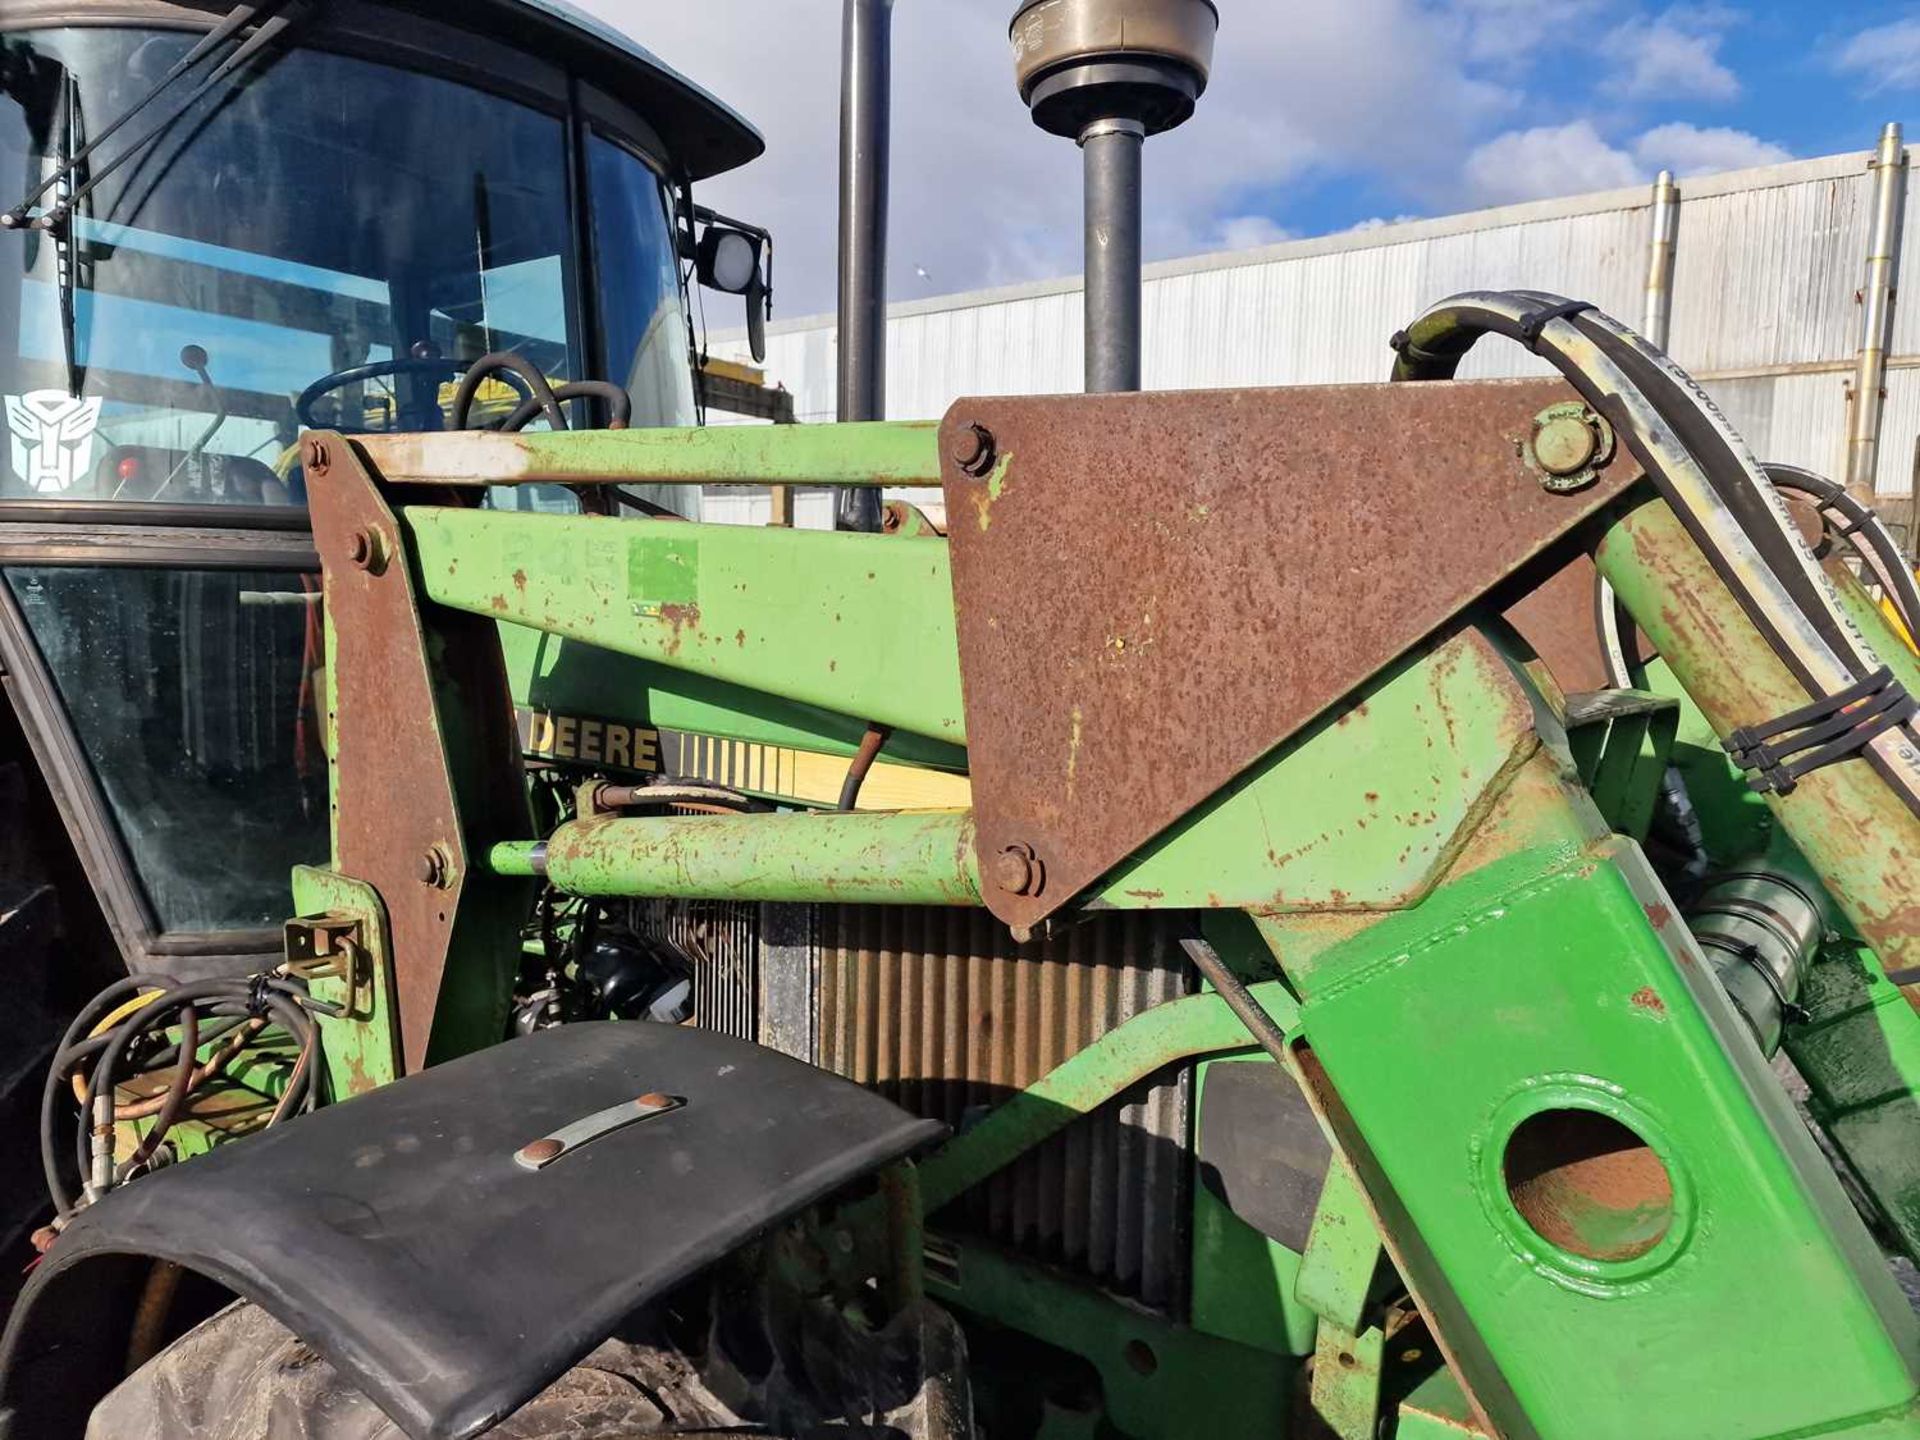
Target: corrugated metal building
1765 312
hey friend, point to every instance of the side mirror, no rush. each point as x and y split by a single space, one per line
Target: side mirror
727 260
737 258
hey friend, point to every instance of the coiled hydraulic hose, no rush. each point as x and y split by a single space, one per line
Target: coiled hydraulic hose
237 1007
1701 467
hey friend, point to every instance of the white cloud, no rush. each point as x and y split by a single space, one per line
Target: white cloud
981 197
1674 57
1547 160
1887 57
1503 31
1248 232
1691 150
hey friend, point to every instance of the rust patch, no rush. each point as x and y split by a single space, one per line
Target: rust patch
520 581
1659 915
1646 998
1415 503
395 791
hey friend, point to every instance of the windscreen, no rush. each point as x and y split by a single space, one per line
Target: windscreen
327 242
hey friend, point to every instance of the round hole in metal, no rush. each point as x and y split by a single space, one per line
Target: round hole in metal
1587 1183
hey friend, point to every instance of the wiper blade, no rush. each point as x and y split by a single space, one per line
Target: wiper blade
271 28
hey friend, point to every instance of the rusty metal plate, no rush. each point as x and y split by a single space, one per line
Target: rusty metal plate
1557 620
397 808
1152 591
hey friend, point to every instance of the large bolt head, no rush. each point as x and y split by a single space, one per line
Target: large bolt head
1568 447
1565 445
972 449
1018 871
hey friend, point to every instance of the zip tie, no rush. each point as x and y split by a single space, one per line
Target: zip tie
1403 346
1823 733
1532 324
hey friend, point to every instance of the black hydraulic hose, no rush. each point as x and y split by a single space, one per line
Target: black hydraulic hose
619 404
177 1091
236 1001
496 360
1864 530
1700 466
89 1015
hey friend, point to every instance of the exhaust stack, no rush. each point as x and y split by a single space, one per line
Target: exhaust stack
866 83
1107 74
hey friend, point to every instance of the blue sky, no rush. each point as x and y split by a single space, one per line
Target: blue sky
1321 115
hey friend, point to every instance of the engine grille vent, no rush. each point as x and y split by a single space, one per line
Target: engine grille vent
939 1010
721 938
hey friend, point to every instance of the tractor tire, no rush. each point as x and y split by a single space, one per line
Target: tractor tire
241 1375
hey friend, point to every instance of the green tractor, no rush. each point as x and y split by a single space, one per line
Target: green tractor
1111 969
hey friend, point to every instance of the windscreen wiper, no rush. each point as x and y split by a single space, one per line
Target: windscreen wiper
272 26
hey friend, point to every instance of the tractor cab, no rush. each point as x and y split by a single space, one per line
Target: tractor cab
214 240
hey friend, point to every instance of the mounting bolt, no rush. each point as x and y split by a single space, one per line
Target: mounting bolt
1568 447
435 867
314 456
1018 871
973 449
360 548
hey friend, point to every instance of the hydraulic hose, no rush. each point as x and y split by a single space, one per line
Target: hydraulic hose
496 360
1864 531
237 1007
1704 471
619 403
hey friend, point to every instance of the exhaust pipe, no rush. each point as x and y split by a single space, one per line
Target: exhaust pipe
1107 74
1889 168
866 60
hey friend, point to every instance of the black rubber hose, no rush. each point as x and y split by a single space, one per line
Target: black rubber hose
89 1015
619 404
235 999
1865 531
505 360
177 1092
1266 1034
863 758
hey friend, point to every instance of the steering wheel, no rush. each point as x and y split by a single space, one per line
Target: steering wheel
378 369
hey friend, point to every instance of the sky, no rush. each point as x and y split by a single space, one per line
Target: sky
1320 116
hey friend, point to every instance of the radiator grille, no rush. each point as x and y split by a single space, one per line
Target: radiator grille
938 1009
721 938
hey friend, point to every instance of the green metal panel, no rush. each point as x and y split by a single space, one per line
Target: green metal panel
1542 988
361 1046
548 672
859 625
1158 1380
1355 813
867 453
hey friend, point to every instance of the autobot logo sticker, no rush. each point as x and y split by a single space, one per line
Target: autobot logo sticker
51 436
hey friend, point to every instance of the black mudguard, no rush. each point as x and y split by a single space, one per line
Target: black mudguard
398 1236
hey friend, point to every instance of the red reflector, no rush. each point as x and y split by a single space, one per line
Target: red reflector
129 466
